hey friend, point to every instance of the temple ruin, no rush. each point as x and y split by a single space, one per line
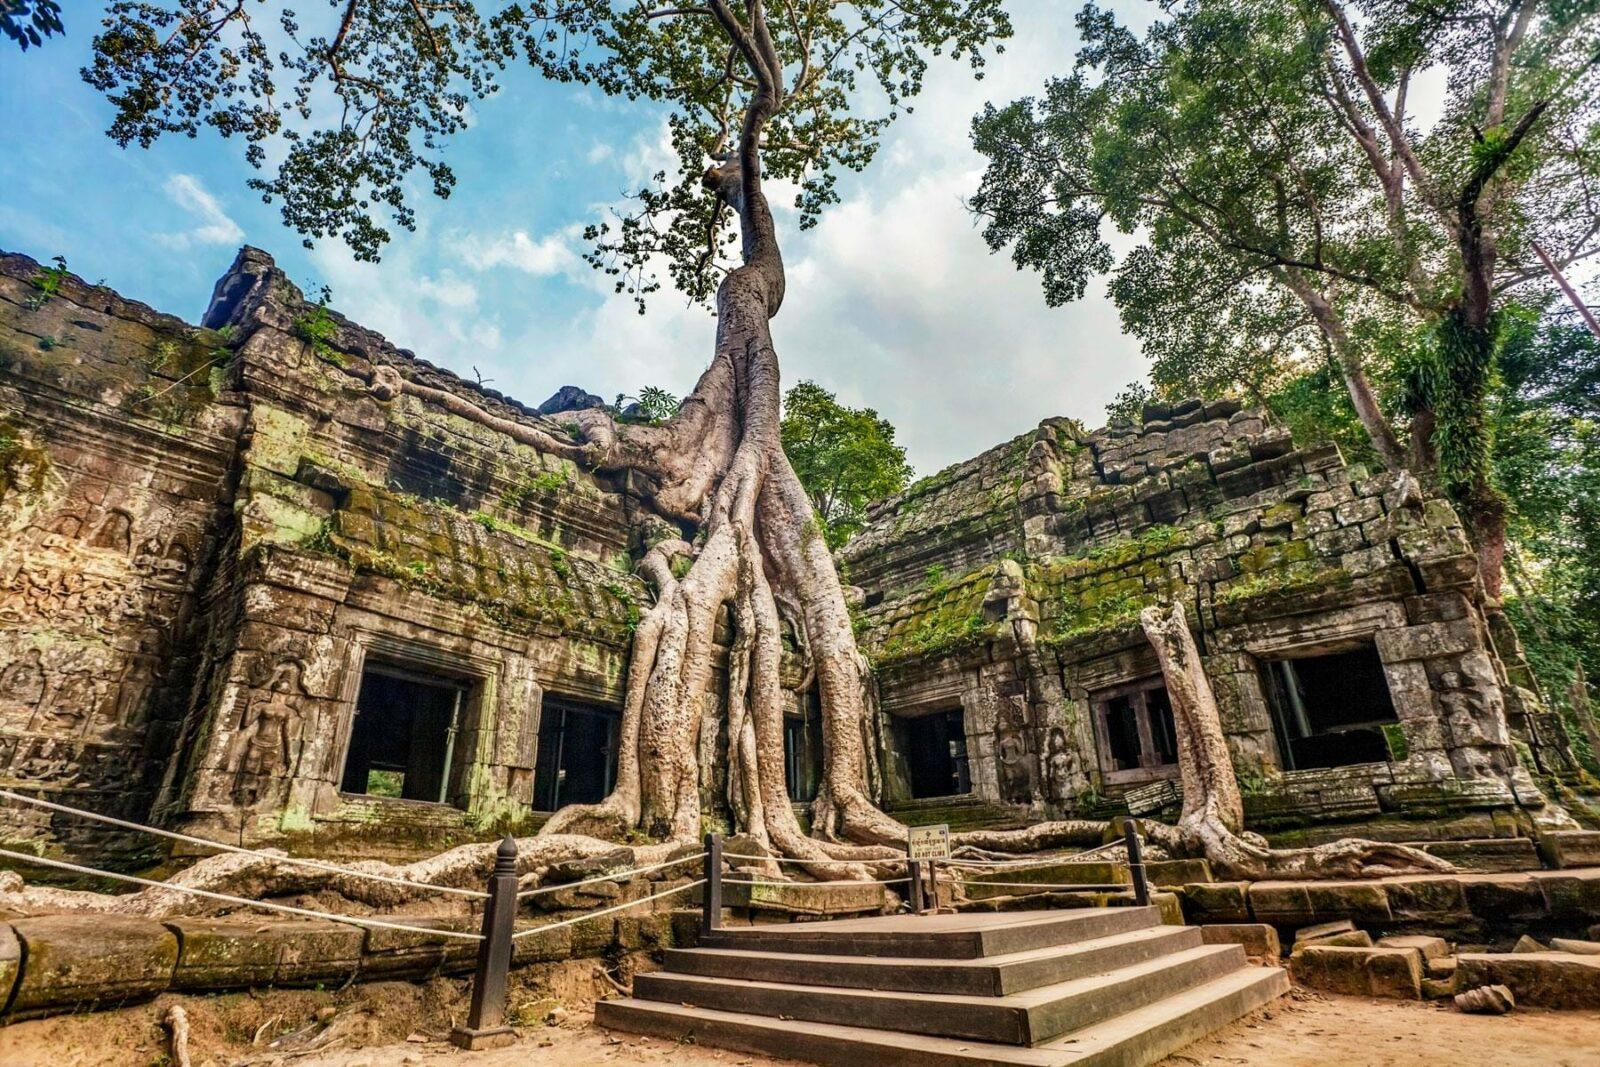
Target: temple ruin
243 597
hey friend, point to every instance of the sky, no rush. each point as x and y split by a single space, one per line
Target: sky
893 302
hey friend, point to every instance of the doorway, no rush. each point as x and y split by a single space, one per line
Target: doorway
403 738
935 747
577 761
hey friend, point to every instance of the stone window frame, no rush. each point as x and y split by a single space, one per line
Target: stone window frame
1335 631
1099 701
481 675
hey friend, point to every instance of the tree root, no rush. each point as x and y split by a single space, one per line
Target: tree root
265 877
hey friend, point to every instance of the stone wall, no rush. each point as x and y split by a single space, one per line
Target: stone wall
1010 586
210 530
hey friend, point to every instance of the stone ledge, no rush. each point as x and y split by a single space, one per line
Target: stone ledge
91 960
1395 973
1539 979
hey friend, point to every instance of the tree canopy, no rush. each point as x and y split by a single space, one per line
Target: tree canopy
355 105
1291 210
845 457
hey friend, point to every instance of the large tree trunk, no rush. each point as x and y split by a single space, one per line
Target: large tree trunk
1212 821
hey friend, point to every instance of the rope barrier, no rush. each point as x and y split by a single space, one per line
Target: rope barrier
1083 887
1049 861
611 877
856 881
331 868
226 898
832 863
606 911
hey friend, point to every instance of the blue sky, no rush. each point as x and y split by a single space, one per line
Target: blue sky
894 301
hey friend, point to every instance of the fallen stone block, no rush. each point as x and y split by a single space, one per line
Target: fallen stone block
1432 948
1395 973
1348 939
1542 979
1440 966
1170 873
1313 933
84 960
237 953
1438 988
1486 1000
1570 848
1581 948
1528 944
1216 902
10 961
1259 940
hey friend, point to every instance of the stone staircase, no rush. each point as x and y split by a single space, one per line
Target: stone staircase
1103 986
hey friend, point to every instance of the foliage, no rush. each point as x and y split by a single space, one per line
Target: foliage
1292 214
845 457
29 22
316 326
47 283
653 405
1547 432
358 101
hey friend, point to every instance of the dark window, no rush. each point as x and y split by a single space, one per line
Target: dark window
1137 737
802 754
577 762
1329 711
936 754
403 740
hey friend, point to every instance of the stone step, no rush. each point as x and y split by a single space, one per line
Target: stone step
1134 1039
936 936
990 976
1025 1018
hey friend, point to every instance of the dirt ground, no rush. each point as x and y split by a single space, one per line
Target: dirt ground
404 1025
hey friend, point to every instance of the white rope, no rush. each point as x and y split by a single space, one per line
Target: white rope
287 909
857 881
331 868
1084 887
834 863
613 876
606 911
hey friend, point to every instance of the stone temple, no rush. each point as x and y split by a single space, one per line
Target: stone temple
241 596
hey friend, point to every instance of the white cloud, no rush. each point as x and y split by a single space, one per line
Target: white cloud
212 226
449 290
550 254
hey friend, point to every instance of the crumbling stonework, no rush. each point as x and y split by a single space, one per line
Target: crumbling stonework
214 535
1009 587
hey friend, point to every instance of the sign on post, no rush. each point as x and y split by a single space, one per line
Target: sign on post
928 842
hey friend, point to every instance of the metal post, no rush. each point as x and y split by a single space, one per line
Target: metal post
486 1026
1141 888
914 869
711 892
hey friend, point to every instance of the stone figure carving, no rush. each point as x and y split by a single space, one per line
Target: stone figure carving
1060 764
1016 778
262 746
23 681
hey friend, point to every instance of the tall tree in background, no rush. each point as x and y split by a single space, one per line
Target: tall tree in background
752 92
1290 206
845 457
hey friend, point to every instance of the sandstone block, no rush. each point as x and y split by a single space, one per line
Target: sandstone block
1440 966
1527 944
542 947
1432 948
10 961
91 960
1542 979
1570 848
1369 972
1320 930
1580 948
235 953
1259 939
1438 988
404 954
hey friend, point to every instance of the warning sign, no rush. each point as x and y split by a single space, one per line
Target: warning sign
928 842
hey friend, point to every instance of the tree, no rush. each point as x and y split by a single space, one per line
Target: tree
845 457
751 95
1290 205
29 22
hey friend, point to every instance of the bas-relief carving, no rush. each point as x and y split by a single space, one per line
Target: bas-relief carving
262 748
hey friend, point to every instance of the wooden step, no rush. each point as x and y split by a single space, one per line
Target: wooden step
964 936
1024 1018
989 976
1134 1039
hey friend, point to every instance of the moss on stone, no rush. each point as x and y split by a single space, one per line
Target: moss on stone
24 466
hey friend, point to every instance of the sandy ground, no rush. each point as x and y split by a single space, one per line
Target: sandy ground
404 1025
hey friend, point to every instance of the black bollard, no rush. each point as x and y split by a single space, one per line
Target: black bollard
486 1017
1141 888
711 892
